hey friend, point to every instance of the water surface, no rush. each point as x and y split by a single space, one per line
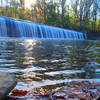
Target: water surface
49 63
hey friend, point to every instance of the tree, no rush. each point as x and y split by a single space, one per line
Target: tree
22 3
82 15
63 2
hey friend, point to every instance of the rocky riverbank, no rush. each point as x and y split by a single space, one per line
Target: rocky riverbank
93 36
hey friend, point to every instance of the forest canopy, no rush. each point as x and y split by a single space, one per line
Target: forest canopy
81 15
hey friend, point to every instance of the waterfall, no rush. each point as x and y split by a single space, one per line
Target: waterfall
10 27
3 29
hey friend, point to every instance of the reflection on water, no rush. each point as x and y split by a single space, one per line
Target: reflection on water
49 62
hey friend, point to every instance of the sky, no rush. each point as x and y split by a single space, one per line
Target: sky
28 3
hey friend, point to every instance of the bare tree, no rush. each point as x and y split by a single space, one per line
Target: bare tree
1 1
62 2
22 3
87 8
96 14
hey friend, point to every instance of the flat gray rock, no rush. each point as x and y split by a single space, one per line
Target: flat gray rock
7 83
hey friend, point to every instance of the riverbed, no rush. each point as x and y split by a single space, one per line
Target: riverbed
49 63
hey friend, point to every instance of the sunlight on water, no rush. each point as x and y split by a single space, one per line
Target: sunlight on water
49 63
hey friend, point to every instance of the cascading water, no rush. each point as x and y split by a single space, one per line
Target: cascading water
10 27
3 29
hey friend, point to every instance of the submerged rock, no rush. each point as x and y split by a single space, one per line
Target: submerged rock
7 83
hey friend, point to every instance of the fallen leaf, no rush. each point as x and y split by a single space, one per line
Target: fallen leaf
16 92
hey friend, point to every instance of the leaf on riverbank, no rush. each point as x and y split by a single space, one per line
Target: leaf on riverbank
16 92
94 83
76 90
42 91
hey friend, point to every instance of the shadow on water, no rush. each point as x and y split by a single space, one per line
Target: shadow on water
41 63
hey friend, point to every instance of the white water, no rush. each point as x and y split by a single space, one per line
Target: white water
17 28
3 29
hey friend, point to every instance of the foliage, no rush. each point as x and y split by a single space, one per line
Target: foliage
80 15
